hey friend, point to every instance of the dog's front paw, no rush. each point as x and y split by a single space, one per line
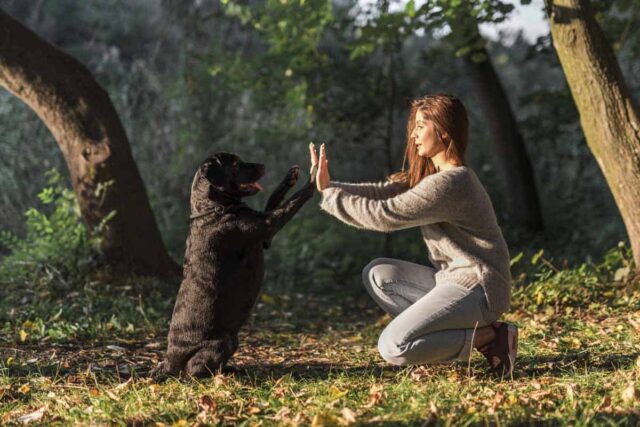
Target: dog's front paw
160 373
292 175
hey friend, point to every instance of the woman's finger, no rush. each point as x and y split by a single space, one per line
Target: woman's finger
313 153
323 154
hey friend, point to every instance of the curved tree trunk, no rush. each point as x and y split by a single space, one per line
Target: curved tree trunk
82 119
514 167
607 114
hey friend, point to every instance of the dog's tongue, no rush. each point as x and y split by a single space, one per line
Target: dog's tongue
257 185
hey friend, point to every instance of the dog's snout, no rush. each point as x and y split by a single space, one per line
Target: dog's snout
257 170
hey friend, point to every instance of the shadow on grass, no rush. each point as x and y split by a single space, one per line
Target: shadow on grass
138 359
526 367
562 364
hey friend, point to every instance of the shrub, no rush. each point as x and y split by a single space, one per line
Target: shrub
56 242
606 282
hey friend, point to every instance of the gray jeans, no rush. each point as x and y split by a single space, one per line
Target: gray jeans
432 323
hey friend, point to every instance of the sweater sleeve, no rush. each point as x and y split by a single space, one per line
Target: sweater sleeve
372 190
430 201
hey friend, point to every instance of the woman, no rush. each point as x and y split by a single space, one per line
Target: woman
438 315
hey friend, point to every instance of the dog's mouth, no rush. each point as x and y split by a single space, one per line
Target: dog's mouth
251 186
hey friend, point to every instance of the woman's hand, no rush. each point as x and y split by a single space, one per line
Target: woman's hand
322 177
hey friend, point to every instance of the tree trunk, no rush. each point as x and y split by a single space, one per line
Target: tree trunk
607 114
82 119
514 167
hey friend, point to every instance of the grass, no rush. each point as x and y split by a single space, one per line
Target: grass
76 343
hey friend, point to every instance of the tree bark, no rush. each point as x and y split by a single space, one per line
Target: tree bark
607 114
83 121
512 160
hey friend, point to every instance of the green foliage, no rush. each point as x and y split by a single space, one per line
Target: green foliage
291 33
608 282
56 240
53 286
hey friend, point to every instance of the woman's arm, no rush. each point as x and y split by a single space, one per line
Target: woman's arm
372 190
431 200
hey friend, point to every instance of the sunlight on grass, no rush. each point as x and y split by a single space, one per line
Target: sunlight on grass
76 344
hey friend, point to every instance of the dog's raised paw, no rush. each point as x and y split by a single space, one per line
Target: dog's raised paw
292 175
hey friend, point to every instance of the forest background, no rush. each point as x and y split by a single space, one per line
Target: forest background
191 79
263 79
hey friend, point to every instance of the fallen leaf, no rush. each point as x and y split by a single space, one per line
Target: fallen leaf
124 384
630 394
112 395
24 389
375 395
570 393
208 410
33 416
153 389
336 393
324 420
621 274
497 400
605 403
282 414
348 415
23 335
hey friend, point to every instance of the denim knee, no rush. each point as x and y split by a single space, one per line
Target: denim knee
367 280
391 351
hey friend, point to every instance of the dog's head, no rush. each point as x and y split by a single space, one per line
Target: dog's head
224 174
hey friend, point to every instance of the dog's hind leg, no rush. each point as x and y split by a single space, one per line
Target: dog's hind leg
212 356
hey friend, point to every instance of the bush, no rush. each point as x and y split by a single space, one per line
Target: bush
56 243
609 282
53 285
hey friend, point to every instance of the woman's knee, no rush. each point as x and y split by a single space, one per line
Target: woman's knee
392 351
371 270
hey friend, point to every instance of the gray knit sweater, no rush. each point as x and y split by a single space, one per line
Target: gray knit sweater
455 215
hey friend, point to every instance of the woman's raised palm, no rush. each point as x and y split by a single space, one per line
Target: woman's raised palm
322 176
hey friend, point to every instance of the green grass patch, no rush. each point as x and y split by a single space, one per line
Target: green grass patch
76 342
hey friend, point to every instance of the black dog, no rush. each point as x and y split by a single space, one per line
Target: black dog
224 262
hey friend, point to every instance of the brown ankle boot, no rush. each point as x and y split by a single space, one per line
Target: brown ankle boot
502 351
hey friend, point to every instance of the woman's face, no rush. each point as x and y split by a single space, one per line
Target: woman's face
425 138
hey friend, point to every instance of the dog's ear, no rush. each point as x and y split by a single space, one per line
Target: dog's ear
214 172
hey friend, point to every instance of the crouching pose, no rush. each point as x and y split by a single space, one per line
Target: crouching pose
439 313
224 263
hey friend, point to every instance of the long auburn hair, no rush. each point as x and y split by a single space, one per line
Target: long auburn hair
451 125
